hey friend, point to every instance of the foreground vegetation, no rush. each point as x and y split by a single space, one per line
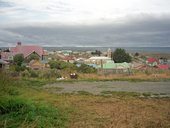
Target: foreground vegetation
16 110
24 103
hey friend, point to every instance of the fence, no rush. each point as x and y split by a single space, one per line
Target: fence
114 71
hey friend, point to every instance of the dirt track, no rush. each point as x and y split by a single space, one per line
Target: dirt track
98 87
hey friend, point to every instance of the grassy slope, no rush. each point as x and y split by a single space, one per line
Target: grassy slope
21 107
30 106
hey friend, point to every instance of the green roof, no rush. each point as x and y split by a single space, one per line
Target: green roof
112 65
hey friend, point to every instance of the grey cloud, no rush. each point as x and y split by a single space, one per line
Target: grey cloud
4 4
148 31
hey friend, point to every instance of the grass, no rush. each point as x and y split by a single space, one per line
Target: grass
23 103
147 94
84 93
16 112
137 77
121 93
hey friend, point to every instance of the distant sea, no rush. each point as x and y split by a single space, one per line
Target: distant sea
128 49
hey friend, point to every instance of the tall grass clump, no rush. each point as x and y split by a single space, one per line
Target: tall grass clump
8 85
17 112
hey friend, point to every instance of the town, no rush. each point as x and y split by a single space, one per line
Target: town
28 60
65 88
84 63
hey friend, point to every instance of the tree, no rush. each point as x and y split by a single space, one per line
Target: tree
18 59
120 56
136 54
54 64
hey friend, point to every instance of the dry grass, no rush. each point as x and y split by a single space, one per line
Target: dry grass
139 76
88 111
97 112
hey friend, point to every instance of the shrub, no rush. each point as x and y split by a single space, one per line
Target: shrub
20 68
25 73
86 69
61 65
14 74
33 73
53 73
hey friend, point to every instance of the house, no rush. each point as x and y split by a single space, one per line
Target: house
163 60
36 65
3 64
80 60
69 59
98 60
117 66
163 66
152 62
66 52
110 67
26 50
6 56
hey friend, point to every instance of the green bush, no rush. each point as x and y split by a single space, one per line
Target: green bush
18 59
86 69
61 65
20 68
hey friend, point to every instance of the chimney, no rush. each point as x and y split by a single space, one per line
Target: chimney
19 43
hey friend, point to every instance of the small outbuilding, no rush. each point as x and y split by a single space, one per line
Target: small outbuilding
152 62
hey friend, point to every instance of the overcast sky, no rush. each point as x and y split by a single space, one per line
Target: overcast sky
116 23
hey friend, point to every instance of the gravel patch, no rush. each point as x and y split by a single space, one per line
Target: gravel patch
123 86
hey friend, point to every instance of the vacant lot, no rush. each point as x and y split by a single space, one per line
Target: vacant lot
28 103
122 109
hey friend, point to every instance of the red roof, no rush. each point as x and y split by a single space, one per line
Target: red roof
151 60
27 50
163 66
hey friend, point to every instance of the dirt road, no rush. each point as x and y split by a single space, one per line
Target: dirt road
98 87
